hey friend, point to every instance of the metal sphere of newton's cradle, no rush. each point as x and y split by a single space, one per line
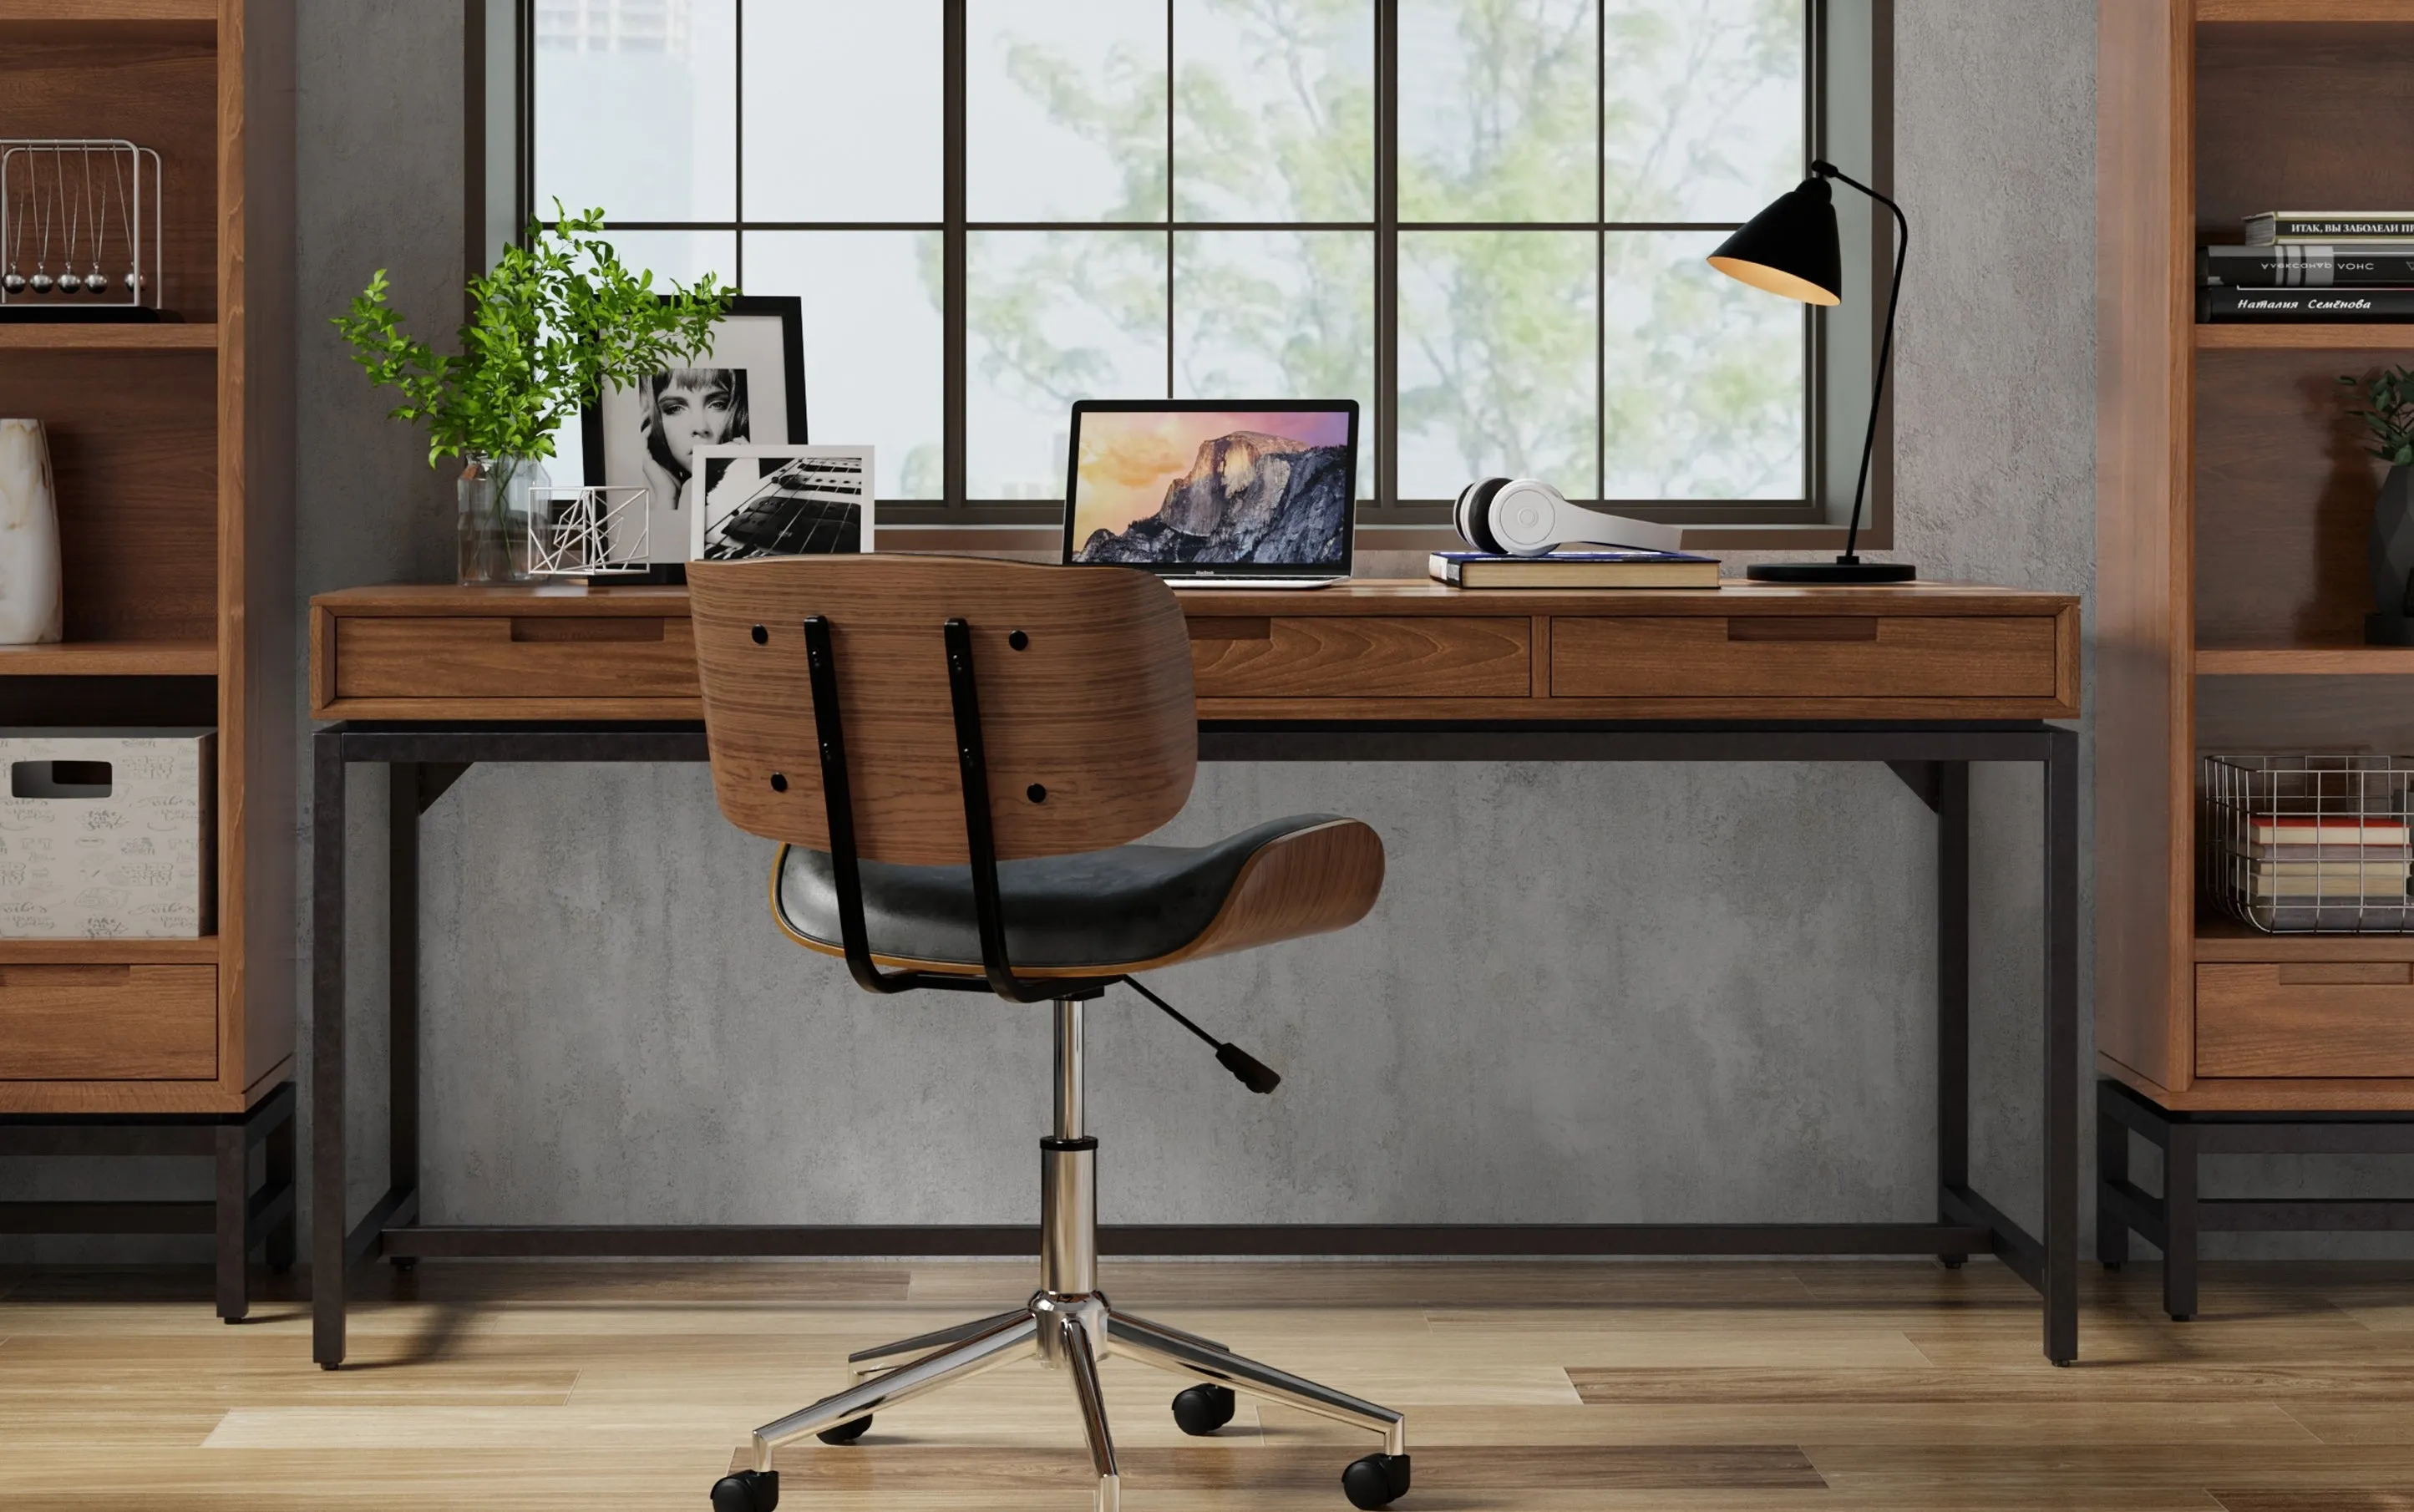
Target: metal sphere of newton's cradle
84 200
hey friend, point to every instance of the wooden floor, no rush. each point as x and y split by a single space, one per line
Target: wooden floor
1776 1386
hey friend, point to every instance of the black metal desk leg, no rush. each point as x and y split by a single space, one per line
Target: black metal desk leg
328 1216
402 804
2062 1047
1952 986
232 1153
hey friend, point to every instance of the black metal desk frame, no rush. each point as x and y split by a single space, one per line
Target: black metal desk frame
1932 757
242 1220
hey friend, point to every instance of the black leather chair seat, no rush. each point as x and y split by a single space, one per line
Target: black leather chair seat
1099 908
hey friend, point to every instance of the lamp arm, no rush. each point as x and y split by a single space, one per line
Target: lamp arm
1885 350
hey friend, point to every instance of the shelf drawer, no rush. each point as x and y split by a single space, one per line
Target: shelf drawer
549 656
1313 656
1808 656
108 1023
2343 1019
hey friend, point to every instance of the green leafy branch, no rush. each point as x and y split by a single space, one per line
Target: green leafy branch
2388 412
557 319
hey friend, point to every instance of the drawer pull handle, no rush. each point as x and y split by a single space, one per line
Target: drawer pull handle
553 631
2349 974
1221 627
1825 628
65 976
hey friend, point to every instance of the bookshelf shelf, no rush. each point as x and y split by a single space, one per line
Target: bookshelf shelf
111 658
2304 661
2300 11
2219 938
73 337
84 952
131 21
2390 338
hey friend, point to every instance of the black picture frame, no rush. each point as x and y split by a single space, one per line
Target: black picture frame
789 310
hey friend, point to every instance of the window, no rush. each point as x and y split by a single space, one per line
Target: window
1484 219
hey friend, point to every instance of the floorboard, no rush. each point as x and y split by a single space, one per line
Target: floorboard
1841 1386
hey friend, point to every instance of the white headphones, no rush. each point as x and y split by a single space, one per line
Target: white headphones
1521 518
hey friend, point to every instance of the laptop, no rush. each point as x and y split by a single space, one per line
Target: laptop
1224 494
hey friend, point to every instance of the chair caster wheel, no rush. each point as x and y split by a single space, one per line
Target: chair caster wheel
749 1490
1378 1480
1202 1410
2112 1266
403 1264
846 1432
1952 1262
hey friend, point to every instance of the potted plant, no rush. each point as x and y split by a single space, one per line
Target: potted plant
2388 417
557 319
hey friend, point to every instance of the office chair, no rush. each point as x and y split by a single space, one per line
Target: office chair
955 755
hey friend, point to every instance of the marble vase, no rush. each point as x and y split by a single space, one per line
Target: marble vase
31 607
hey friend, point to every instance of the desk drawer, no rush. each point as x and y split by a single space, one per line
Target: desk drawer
548 656
108 1023
1313 656
2348 1019
1780 657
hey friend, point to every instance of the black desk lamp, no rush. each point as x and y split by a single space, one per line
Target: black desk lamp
1790 248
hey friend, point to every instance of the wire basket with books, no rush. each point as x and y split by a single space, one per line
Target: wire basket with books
2304 844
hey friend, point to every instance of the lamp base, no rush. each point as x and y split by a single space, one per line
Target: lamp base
1841 570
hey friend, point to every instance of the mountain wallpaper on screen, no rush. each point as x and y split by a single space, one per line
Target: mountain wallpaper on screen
1248 497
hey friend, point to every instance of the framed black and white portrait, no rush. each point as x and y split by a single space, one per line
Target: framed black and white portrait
779 501
748 389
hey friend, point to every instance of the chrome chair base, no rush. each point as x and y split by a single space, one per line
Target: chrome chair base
1068 1324
1072 1333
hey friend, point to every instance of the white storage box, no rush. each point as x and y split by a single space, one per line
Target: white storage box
108 834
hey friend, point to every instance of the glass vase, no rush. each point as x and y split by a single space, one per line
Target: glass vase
494 521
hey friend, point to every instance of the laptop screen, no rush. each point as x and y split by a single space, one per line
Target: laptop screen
1190 487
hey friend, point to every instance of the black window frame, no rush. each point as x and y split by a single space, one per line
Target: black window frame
1848 110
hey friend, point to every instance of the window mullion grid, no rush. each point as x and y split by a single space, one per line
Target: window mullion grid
1599 254
953 321
1387 257
1169 198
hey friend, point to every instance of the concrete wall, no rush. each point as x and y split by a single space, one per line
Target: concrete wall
1607 993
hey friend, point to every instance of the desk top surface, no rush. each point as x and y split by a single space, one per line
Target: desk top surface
1364 650
1358 596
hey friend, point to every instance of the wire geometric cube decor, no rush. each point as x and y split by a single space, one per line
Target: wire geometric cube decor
582 532
72 230
2307 844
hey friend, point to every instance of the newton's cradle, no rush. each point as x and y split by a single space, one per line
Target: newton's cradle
74 236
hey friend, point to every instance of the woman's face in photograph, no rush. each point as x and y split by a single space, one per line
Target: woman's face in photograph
691 411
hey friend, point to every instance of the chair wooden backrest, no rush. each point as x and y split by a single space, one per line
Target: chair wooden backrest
1084 675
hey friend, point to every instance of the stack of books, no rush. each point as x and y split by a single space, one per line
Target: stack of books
2311 267
1640 554
2324 872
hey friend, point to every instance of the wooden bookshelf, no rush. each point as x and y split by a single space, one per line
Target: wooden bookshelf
2304 661
2389 337
67 337
2300 11
2233 500
171 446
111 658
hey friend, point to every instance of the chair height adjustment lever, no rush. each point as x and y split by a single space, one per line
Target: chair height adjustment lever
1248 1069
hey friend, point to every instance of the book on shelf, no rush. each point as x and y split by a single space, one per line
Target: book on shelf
2304 306
2274 226
2308 266
1575 569
2328 829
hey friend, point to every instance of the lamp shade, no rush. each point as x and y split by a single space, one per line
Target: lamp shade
1789 249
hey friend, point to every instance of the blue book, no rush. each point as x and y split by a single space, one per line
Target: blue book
1574 569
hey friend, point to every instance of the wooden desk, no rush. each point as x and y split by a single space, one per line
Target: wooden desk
1359 651
1927 678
